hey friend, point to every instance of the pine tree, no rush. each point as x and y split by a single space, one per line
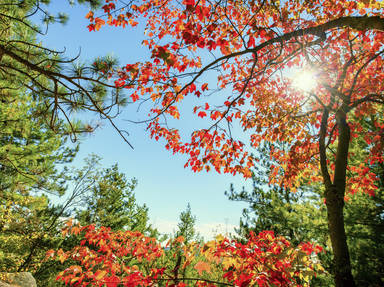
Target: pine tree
60 85
39 88
30 155
186 226
110 201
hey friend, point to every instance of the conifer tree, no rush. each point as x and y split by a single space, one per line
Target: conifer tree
186 226
110 201
59 84
39 90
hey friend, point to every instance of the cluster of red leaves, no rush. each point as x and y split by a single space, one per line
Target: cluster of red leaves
264 260
107 258
245 39
102 255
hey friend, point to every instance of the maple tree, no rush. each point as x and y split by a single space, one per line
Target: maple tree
301 216
126 258
251 45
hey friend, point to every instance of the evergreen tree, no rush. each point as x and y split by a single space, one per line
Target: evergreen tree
185 236
186 226
299 216
39 88
364 213
29 150
30 155
110 201
364 217
60 85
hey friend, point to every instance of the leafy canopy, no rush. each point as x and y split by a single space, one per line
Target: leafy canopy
249 47
251 44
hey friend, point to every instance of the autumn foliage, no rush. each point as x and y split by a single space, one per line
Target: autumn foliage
125 258
249 41
233 59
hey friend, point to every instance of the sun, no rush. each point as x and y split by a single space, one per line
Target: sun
304 80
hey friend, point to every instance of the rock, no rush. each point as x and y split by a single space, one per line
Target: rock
20 279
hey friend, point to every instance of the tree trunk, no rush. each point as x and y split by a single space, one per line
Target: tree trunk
342 266
334 196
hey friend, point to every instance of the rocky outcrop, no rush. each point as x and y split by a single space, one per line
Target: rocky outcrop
20 279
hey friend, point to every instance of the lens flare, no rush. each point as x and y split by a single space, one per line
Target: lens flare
304 80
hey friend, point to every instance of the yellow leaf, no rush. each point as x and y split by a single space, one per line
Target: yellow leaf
77 269
219 238
228 262
99 274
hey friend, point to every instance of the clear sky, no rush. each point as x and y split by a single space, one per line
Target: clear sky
163 183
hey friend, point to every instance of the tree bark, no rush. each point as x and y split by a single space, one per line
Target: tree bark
342 266
334 196
335 203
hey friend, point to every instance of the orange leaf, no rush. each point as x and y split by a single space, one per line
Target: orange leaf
202 266
50 253
179 239
69 222
89 15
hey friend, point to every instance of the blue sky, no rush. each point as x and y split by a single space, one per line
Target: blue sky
163 183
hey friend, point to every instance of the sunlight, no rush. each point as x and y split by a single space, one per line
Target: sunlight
304 80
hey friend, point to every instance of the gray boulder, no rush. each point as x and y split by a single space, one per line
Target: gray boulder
20 279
